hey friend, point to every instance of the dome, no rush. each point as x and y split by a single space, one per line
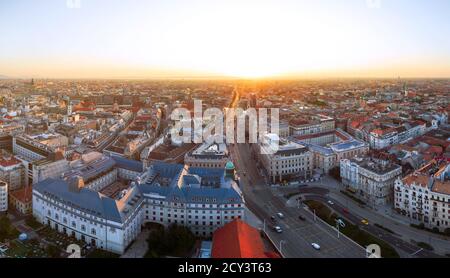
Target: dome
229 165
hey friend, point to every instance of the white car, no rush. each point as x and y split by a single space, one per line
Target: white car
280 215
340 222
330 202
315 246
278 229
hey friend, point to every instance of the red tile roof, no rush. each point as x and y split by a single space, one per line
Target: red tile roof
6 162
237 239
24 195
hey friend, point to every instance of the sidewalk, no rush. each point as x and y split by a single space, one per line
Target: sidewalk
139 246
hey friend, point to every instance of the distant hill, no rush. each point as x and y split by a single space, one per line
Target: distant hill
4 77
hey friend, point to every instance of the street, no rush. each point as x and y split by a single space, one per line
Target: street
297 236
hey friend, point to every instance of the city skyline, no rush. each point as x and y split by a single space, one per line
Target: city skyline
232 39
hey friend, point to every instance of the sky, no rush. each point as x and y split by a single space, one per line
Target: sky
232 38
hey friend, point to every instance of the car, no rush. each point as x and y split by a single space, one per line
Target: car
315 246
280 215
345 210
330 202
365 222
301 217
340 222
273 218
278 229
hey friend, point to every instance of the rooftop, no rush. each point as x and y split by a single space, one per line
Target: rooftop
237 239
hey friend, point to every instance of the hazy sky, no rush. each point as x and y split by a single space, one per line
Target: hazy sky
145 38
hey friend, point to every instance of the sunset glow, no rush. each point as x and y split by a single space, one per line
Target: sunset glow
248 39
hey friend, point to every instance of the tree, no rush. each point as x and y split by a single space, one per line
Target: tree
175 241
7 230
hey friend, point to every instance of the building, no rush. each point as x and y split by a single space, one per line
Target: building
21 200
381 138
202 199
317 124
96 169
330 147
3 197
208 155
12 171
424 196
101 221
291 160
30 149
238 240
372 180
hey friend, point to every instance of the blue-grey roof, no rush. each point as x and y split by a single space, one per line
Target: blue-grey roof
86 200
92 169
183 185
128 164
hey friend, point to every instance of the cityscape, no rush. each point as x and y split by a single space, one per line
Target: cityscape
263 151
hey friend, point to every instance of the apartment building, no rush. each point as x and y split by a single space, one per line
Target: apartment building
424 196
208 155
372 180
290 161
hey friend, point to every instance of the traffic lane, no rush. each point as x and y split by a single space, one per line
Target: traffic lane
374 230
298 238
315 232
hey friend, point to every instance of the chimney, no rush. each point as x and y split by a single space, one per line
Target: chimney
75 184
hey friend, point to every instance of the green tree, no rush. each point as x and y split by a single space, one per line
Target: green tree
7 230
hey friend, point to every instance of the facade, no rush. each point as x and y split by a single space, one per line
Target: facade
3 197
30 149
318 124
103 222
208 155
46 168
202 199
12 171
424 196
21 200
373 180
291 161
